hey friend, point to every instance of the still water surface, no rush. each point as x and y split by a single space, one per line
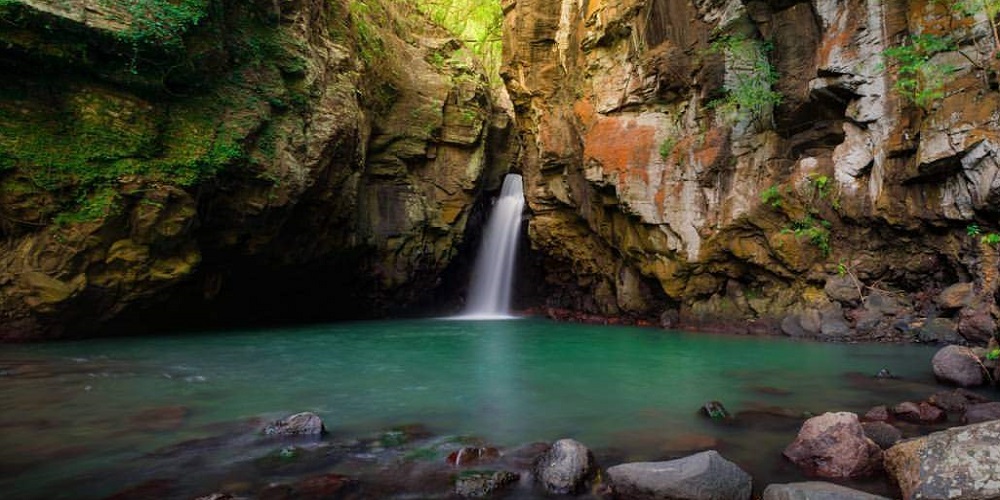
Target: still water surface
76 415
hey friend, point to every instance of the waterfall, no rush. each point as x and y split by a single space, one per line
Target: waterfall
489 292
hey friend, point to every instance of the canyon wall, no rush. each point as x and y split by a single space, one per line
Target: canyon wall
762 166
175 161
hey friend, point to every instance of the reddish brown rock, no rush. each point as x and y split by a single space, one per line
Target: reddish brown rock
958 365
877 414
833 445
919 413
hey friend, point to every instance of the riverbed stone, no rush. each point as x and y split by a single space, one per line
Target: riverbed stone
918 413
299 424
833 325
715 411
842 289
815 490
481 484
473 455
877 414
834 445
565 468
982 412
957 400
702 476
958 463
976 324
957 365
882 433
939 330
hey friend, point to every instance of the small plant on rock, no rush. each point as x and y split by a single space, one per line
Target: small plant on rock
771 196
918 78
991 239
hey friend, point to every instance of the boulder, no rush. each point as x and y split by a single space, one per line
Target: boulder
565 468
842 289
883 434
702 476
940 331
957 400
300 424
481 484
982 412
956 296
834 445
976 324
958 463
815 490
919 413
833 325
957 365
804 324
877 414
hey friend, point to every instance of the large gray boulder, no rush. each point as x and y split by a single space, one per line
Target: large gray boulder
565 468
703 476
815 490
834 445
962 463
957 365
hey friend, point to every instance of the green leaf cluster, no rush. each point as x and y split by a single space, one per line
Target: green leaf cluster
478 23
918 78
748 89
813 228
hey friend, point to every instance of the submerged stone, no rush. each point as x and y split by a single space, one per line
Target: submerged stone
715 411
479 484
300 424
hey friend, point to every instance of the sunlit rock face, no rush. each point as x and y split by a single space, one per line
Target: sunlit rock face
651 196
167 160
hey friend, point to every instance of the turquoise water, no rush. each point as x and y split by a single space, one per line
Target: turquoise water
76 412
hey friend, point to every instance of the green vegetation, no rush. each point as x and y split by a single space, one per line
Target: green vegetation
370 46
813 228
972 230
478 23
667 147
918 78
771 196
748 89
991 239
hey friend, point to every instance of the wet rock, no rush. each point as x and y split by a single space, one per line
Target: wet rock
166 418
218 496
715 411
885 373
957 365
982 412
884 303
480 484
472 455
976 325
919 413
325 487
842 289
958 463
769 419
565 468
706 475
957 400
883 434
956 296
940 331
300 424
833 325
804 324
690 443
815 490
834 445
877 414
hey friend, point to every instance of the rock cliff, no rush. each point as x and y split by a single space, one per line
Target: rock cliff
816 167
253 155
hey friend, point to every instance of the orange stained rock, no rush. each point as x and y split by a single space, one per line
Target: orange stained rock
622 147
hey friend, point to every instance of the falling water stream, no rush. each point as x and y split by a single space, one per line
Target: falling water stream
489 294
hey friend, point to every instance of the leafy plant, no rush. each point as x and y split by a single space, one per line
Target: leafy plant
771 196
477 23
815 229
667 147
972 230
918 78
991 239
994 354
748 88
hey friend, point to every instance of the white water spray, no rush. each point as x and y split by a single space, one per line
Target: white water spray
492 279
